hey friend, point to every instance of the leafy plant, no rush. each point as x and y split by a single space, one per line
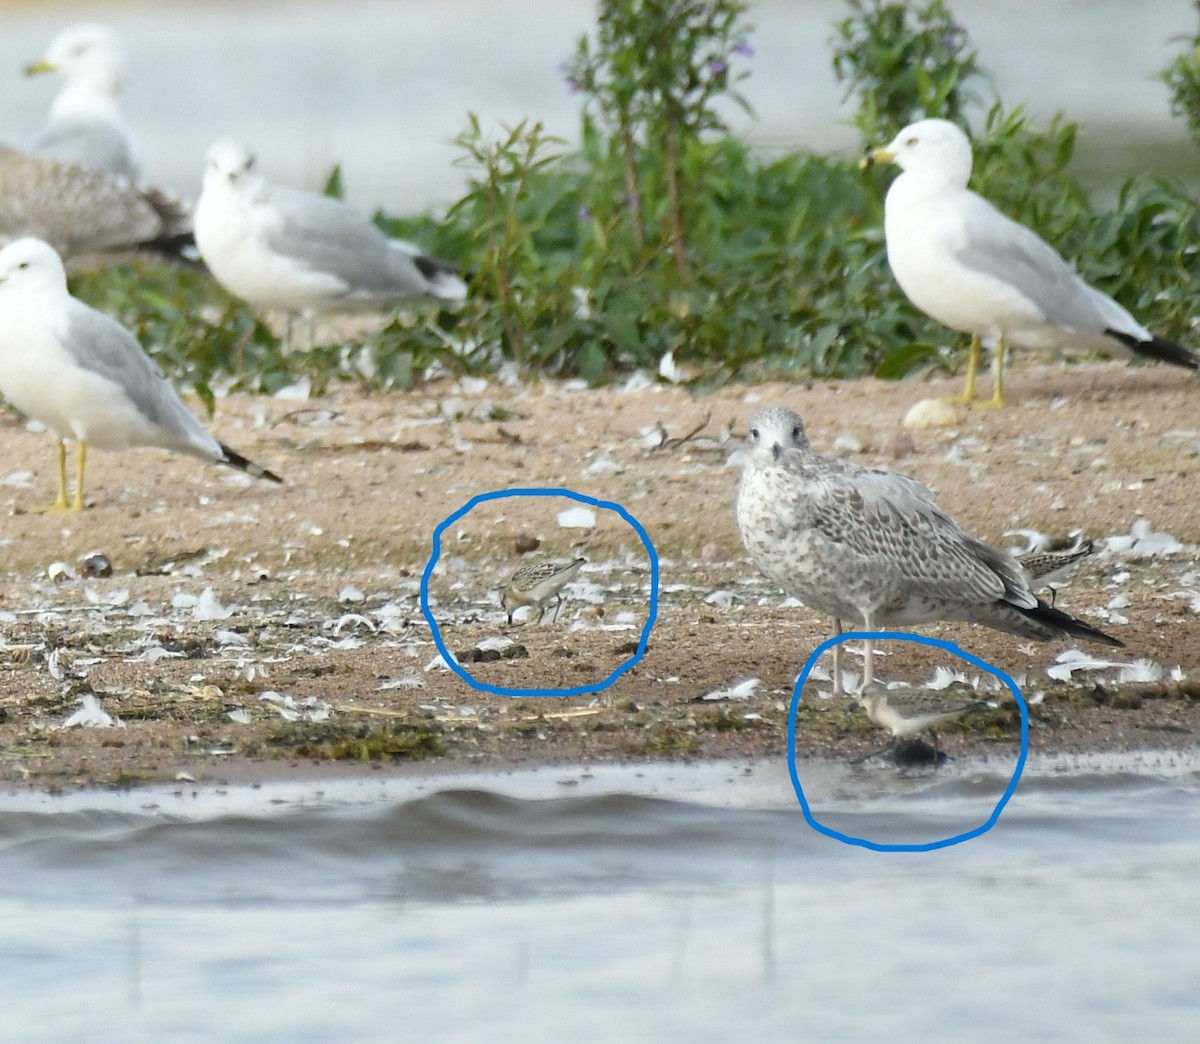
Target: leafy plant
902 62
1182 76
663 233
652 77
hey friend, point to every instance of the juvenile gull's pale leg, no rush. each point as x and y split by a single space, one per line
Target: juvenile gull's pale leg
837 660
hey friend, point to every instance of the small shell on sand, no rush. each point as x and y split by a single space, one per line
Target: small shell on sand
931 413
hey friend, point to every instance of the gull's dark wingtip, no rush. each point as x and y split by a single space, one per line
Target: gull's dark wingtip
1158 349
235 460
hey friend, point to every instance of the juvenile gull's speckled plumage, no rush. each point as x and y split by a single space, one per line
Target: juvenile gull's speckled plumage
537 584
967 265
870 544
82 212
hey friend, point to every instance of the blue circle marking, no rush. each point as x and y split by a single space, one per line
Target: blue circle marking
570 494
954 650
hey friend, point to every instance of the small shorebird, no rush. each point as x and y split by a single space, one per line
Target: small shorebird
537 584
907 712
1045 568
870 544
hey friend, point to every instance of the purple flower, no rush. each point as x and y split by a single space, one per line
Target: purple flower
584 214
565 71
955 38
716 66
744 49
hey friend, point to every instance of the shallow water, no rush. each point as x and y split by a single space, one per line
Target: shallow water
630 903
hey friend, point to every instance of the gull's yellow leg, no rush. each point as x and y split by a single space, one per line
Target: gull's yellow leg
80 464
60 504
997 399
998 396
968 395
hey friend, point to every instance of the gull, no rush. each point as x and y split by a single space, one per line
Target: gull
85 213
536 585
965 264
906 712
84 376
869 543
85 125
302 253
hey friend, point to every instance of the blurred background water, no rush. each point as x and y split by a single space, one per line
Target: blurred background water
656 903
383 86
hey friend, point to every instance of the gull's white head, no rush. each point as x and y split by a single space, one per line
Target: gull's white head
229 164
775 429
936 149
89 56
31 264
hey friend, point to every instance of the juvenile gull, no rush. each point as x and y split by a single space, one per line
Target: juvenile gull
84 376
537 584
302 253
871 544
965 264
85 125
85 213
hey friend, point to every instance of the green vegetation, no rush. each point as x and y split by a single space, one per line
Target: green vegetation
663 233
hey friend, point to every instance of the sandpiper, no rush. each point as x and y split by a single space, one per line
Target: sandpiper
537 584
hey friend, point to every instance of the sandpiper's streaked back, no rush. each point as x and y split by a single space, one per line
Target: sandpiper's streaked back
537 585
1045 568
908 712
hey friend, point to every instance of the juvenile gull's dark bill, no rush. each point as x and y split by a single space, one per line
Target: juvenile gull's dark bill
84 376
967 265
870 544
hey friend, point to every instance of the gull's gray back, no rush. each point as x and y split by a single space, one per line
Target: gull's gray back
102 345
326 236
1014 254
94 143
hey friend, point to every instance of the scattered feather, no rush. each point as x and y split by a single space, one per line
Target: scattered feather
1141 670
741 690
410 679
944 677
92 716
668 370
577 518
1072 660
